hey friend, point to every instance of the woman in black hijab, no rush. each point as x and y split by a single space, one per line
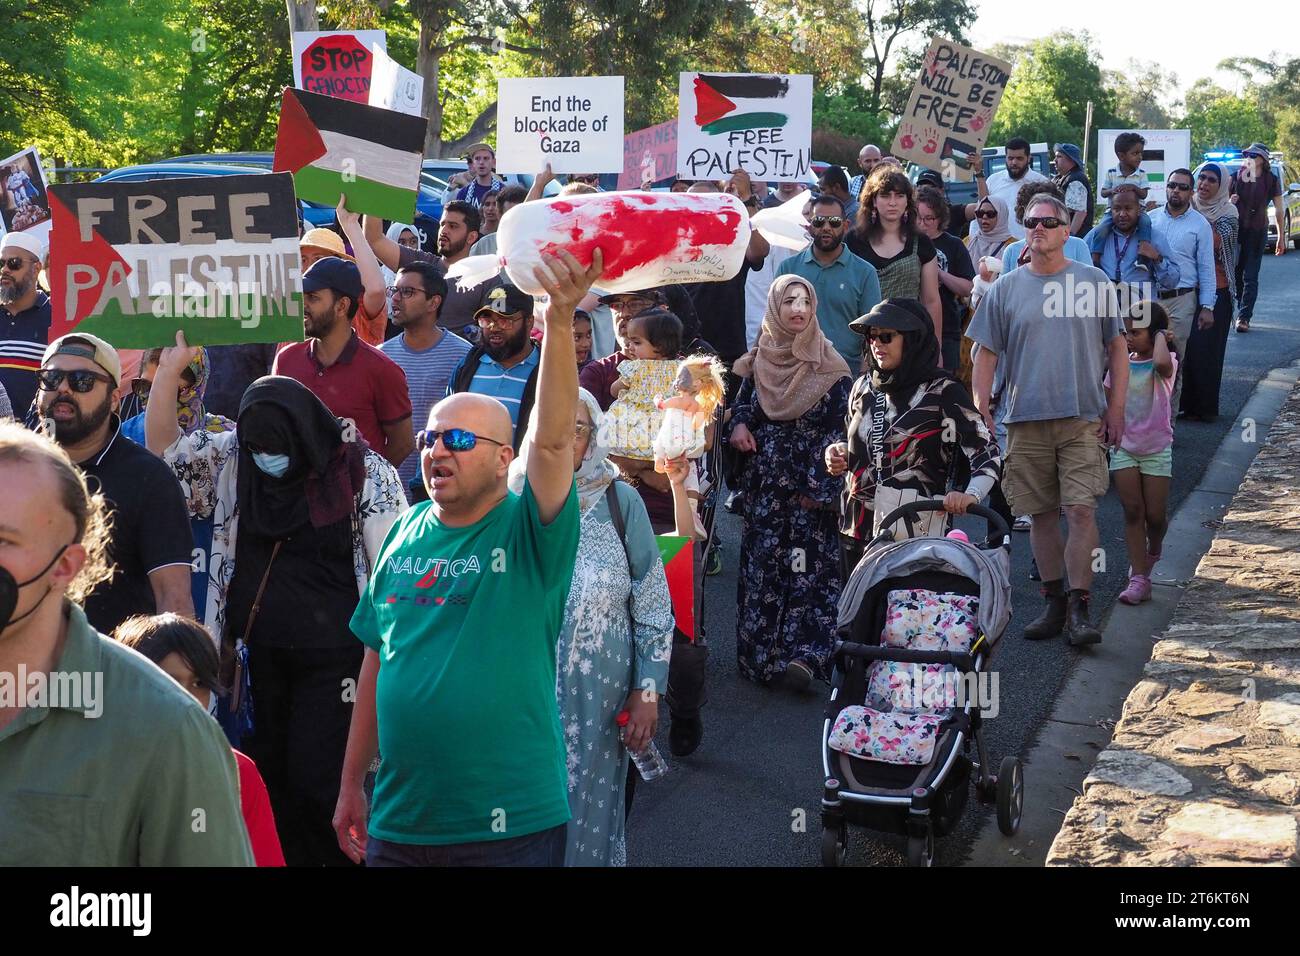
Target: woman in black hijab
291 599
900 447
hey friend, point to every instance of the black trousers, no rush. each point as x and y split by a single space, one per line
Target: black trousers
301 715
1203 360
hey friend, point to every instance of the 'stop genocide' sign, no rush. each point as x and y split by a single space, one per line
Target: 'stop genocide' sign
336 64
216 256
947 119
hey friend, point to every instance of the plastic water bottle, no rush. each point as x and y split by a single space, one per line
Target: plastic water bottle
649 762
958 535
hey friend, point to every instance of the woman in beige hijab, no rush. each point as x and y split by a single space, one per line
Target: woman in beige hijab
791 405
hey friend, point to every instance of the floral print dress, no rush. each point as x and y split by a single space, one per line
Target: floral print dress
788 584
602 655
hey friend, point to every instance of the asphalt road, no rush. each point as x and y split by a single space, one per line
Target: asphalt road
750 796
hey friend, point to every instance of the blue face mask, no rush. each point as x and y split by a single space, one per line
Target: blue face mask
273 465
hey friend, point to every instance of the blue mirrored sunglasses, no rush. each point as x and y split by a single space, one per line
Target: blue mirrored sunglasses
454 439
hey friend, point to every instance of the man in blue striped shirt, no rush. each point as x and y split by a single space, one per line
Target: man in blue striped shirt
504 363
427 353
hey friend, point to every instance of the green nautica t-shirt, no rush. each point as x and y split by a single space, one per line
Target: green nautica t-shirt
465 622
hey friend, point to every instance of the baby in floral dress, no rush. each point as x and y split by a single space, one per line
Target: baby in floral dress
653 339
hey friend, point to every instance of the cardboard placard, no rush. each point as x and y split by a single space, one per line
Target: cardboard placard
649 153
947 119
758 122
1165 150
575 123
393 86
216 256
24 204
336 62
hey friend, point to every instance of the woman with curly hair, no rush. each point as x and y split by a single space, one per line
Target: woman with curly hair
887 236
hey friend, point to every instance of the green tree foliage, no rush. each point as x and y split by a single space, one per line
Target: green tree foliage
1226 122
1141 92
1031 110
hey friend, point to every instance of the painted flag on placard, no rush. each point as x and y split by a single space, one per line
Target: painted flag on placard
214 256
728 103
679 565
334 146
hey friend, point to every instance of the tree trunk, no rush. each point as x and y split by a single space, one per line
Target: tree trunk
302 15
428 61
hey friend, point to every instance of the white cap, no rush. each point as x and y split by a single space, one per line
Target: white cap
25 241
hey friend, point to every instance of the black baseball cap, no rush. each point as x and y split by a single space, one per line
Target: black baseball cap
654 295
901 315
507 300
334 273
931 178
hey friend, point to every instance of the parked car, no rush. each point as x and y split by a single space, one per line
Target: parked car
428 201
313 214
995 159
1287 176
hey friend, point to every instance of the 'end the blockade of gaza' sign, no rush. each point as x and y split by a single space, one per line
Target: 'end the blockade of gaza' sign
947 119
216 256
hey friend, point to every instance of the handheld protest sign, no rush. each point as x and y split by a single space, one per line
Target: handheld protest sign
24 202
1164 151
216 256
393 86
758 122
574 123
947 119
649 154
335 148
336 63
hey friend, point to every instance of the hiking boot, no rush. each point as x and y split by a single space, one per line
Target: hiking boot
685 734
1138 590
1052 620
1078 629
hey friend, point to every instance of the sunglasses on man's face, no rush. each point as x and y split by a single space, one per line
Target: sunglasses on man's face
833 221
589 180
79 380
15 263
1047 222
1181 187
453 439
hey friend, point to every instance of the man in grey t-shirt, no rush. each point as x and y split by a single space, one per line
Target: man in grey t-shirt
1056 325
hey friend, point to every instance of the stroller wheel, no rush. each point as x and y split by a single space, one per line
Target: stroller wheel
920 850
835 844
1011 795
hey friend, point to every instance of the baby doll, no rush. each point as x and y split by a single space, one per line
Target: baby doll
697 393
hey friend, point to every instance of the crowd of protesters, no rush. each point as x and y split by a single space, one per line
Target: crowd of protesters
396 589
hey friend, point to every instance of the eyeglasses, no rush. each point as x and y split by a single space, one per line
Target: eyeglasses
453 439
496 320
14 263
833 221
630 305
79 380
884 338
1181 187
403 292
1047 222
929 218
986 214
581 428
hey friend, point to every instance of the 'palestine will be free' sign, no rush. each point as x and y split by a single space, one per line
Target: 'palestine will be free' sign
215 256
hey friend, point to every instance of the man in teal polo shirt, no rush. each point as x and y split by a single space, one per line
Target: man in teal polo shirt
846 285
104 759
457 689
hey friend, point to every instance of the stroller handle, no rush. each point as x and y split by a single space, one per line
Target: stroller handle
994 525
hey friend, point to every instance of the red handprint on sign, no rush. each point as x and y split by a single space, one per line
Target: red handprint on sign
931 136
981 120
907 140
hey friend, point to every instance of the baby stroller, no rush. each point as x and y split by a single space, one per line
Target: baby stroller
918 620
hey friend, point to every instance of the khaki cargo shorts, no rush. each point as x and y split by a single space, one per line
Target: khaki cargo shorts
1051 464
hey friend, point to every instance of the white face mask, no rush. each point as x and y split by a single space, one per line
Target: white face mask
273 465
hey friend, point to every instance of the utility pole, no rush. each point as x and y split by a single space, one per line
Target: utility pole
1087 135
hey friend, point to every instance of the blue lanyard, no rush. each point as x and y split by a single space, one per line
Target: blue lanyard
1119 253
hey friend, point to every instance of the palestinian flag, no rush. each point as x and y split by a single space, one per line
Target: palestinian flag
335 146
730 102
679 565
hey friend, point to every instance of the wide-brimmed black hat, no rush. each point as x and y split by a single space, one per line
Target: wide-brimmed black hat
902 315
